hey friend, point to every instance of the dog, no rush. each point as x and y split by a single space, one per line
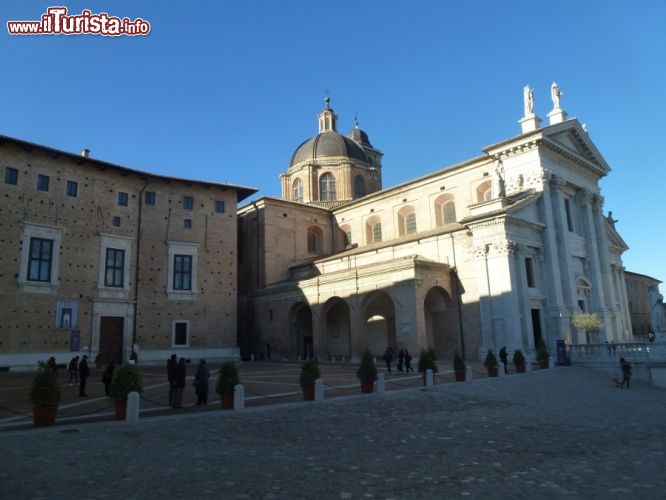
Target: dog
618 383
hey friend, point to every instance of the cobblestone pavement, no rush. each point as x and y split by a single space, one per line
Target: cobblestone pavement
563 433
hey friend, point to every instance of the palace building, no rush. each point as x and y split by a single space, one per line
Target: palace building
96 258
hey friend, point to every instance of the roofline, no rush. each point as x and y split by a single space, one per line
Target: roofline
243 191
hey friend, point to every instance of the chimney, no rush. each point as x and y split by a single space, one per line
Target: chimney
85 153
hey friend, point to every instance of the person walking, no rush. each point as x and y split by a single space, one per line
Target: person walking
179 382
401 359
201 383
73 369
504 358
107 376
626 371
84 373
171 364
408 362
388 357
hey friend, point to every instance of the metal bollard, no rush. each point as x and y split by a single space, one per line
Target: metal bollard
500 371
239 397
381 384
429 378
132 411
319 390
468 374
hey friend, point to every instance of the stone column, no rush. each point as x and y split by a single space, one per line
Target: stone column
563 244
598 292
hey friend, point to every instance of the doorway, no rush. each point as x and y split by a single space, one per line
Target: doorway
111 339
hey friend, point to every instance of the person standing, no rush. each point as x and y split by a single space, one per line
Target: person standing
179 382
388 357
201 383
73 369
626 371
84 373
503 357
401 359
107 376
408 362
51 363
171 364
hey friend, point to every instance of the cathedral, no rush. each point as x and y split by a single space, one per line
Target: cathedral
498 250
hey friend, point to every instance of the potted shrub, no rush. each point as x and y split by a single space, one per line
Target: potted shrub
45 396
126 378
519 361
226 383
367 372
491 363
459 367
427 362
309 373
542 354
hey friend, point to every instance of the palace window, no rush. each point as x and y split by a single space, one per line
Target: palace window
449 212
359 187
42 182
181 333
297 191
11 176
149 198
123 199
40 258
72 189
219 207
39 263
182 272
188 202
377 232
327 188
115 267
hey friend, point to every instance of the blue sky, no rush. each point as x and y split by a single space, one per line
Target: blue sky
225 91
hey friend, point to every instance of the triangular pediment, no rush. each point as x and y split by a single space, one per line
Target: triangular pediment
571 140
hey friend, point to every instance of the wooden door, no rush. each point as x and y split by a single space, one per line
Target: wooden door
111 339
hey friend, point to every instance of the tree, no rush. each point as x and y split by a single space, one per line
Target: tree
588 323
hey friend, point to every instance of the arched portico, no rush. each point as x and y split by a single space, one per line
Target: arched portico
335 327
378 315
440 321
300 330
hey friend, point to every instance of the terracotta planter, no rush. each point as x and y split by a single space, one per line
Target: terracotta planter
520 368
227 400
308 392
44 416
460 375
543 364
367 386
492 371
121 410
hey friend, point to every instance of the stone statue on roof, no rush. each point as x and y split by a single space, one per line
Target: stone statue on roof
555 94
528 99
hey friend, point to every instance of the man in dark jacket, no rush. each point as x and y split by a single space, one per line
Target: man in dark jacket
84 373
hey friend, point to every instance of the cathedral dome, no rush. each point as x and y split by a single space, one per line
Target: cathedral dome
359 136
328 144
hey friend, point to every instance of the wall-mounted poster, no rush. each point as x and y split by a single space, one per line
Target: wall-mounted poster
66 315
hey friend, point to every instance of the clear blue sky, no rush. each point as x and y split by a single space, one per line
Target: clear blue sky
226 90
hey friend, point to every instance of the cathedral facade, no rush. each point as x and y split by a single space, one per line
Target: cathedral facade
498 250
